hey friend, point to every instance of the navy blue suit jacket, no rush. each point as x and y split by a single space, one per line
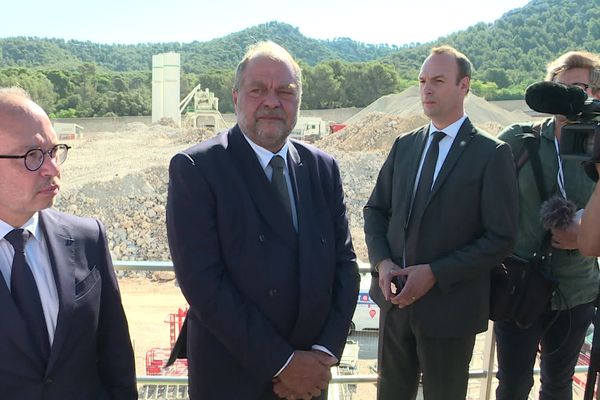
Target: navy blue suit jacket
91 356
257 289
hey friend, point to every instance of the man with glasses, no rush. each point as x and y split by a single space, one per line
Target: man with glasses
561 330
64 333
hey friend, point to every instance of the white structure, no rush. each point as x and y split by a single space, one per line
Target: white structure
165 87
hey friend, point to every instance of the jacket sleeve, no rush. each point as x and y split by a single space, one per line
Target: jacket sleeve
378 210
115 358
346 281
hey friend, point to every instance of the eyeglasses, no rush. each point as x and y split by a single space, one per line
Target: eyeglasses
582 85
34 158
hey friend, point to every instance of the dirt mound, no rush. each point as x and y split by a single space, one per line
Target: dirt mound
408 103
380 123
374 131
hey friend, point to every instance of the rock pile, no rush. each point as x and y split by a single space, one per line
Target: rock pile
121 178
133 210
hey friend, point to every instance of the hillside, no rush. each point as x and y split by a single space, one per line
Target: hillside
85 79
221 53
515 49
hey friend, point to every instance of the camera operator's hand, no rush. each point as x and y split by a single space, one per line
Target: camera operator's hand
589 233
565 239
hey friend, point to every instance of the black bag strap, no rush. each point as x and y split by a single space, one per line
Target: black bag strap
531 137
532 154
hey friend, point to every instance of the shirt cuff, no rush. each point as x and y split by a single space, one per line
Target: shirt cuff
284 365
324 350
314 347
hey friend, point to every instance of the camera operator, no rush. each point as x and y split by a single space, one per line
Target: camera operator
562 327
588 239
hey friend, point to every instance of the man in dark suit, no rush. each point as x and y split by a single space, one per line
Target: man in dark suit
443 212
64 334
259 239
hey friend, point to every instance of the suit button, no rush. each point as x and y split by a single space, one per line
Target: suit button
49 381
272 292
261 238
323 240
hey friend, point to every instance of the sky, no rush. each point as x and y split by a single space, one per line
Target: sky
393 22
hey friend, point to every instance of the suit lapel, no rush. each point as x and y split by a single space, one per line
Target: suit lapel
61 250
300 179
464 136
420 140
259 187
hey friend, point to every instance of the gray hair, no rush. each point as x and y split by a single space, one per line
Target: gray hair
272 51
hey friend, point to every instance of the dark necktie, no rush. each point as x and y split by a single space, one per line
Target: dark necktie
26 296
422 195
279 183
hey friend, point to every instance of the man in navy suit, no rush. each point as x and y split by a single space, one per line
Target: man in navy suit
64 334
259 237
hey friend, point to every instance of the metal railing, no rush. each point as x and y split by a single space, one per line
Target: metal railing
486 374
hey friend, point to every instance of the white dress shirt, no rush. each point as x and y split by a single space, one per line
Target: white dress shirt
444 147
36 254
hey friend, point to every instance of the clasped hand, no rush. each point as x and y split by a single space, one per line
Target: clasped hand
418 279
307 374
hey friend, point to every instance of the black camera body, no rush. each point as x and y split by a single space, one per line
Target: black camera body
581 141
580 138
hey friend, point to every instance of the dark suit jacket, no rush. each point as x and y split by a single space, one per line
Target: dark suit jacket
469 225
91 356
257 289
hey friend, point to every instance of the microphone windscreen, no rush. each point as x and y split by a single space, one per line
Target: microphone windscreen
557 212
555 98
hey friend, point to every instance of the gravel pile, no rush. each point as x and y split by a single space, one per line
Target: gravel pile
121 177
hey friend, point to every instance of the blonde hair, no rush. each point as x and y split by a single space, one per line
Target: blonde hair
576 59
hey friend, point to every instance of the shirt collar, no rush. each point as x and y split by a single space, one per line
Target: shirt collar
264 155
32 225
451 130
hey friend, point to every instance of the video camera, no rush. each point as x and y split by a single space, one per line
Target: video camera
580 138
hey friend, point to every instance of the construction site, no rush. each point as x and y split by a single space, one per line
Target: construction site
117 172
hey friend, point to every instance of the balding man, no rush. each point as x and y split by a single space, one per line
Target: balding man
259 238
63 334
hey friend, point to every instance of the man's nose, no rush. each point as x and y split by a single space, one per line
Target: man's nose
50 166
272 99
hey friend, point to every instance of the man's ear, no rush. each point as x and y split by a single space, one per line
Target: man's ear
465 84
234 95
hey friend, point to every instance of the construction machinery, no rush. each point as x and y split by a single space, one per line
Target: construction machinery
156 361
200 109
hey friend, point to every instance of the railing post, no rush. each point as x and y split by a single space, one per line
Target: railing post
488 362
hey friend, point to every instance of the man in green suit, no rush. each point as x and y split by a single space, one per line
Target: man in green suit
443 212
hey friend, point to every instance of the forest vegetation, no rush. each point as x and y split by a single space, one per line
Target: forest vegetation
83 79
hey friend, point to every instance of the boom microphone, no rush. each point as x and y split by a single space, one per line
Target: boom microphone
555 98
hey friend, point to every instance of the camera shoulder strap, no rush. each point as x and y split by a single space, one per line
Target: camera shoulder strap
529 132
532 144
